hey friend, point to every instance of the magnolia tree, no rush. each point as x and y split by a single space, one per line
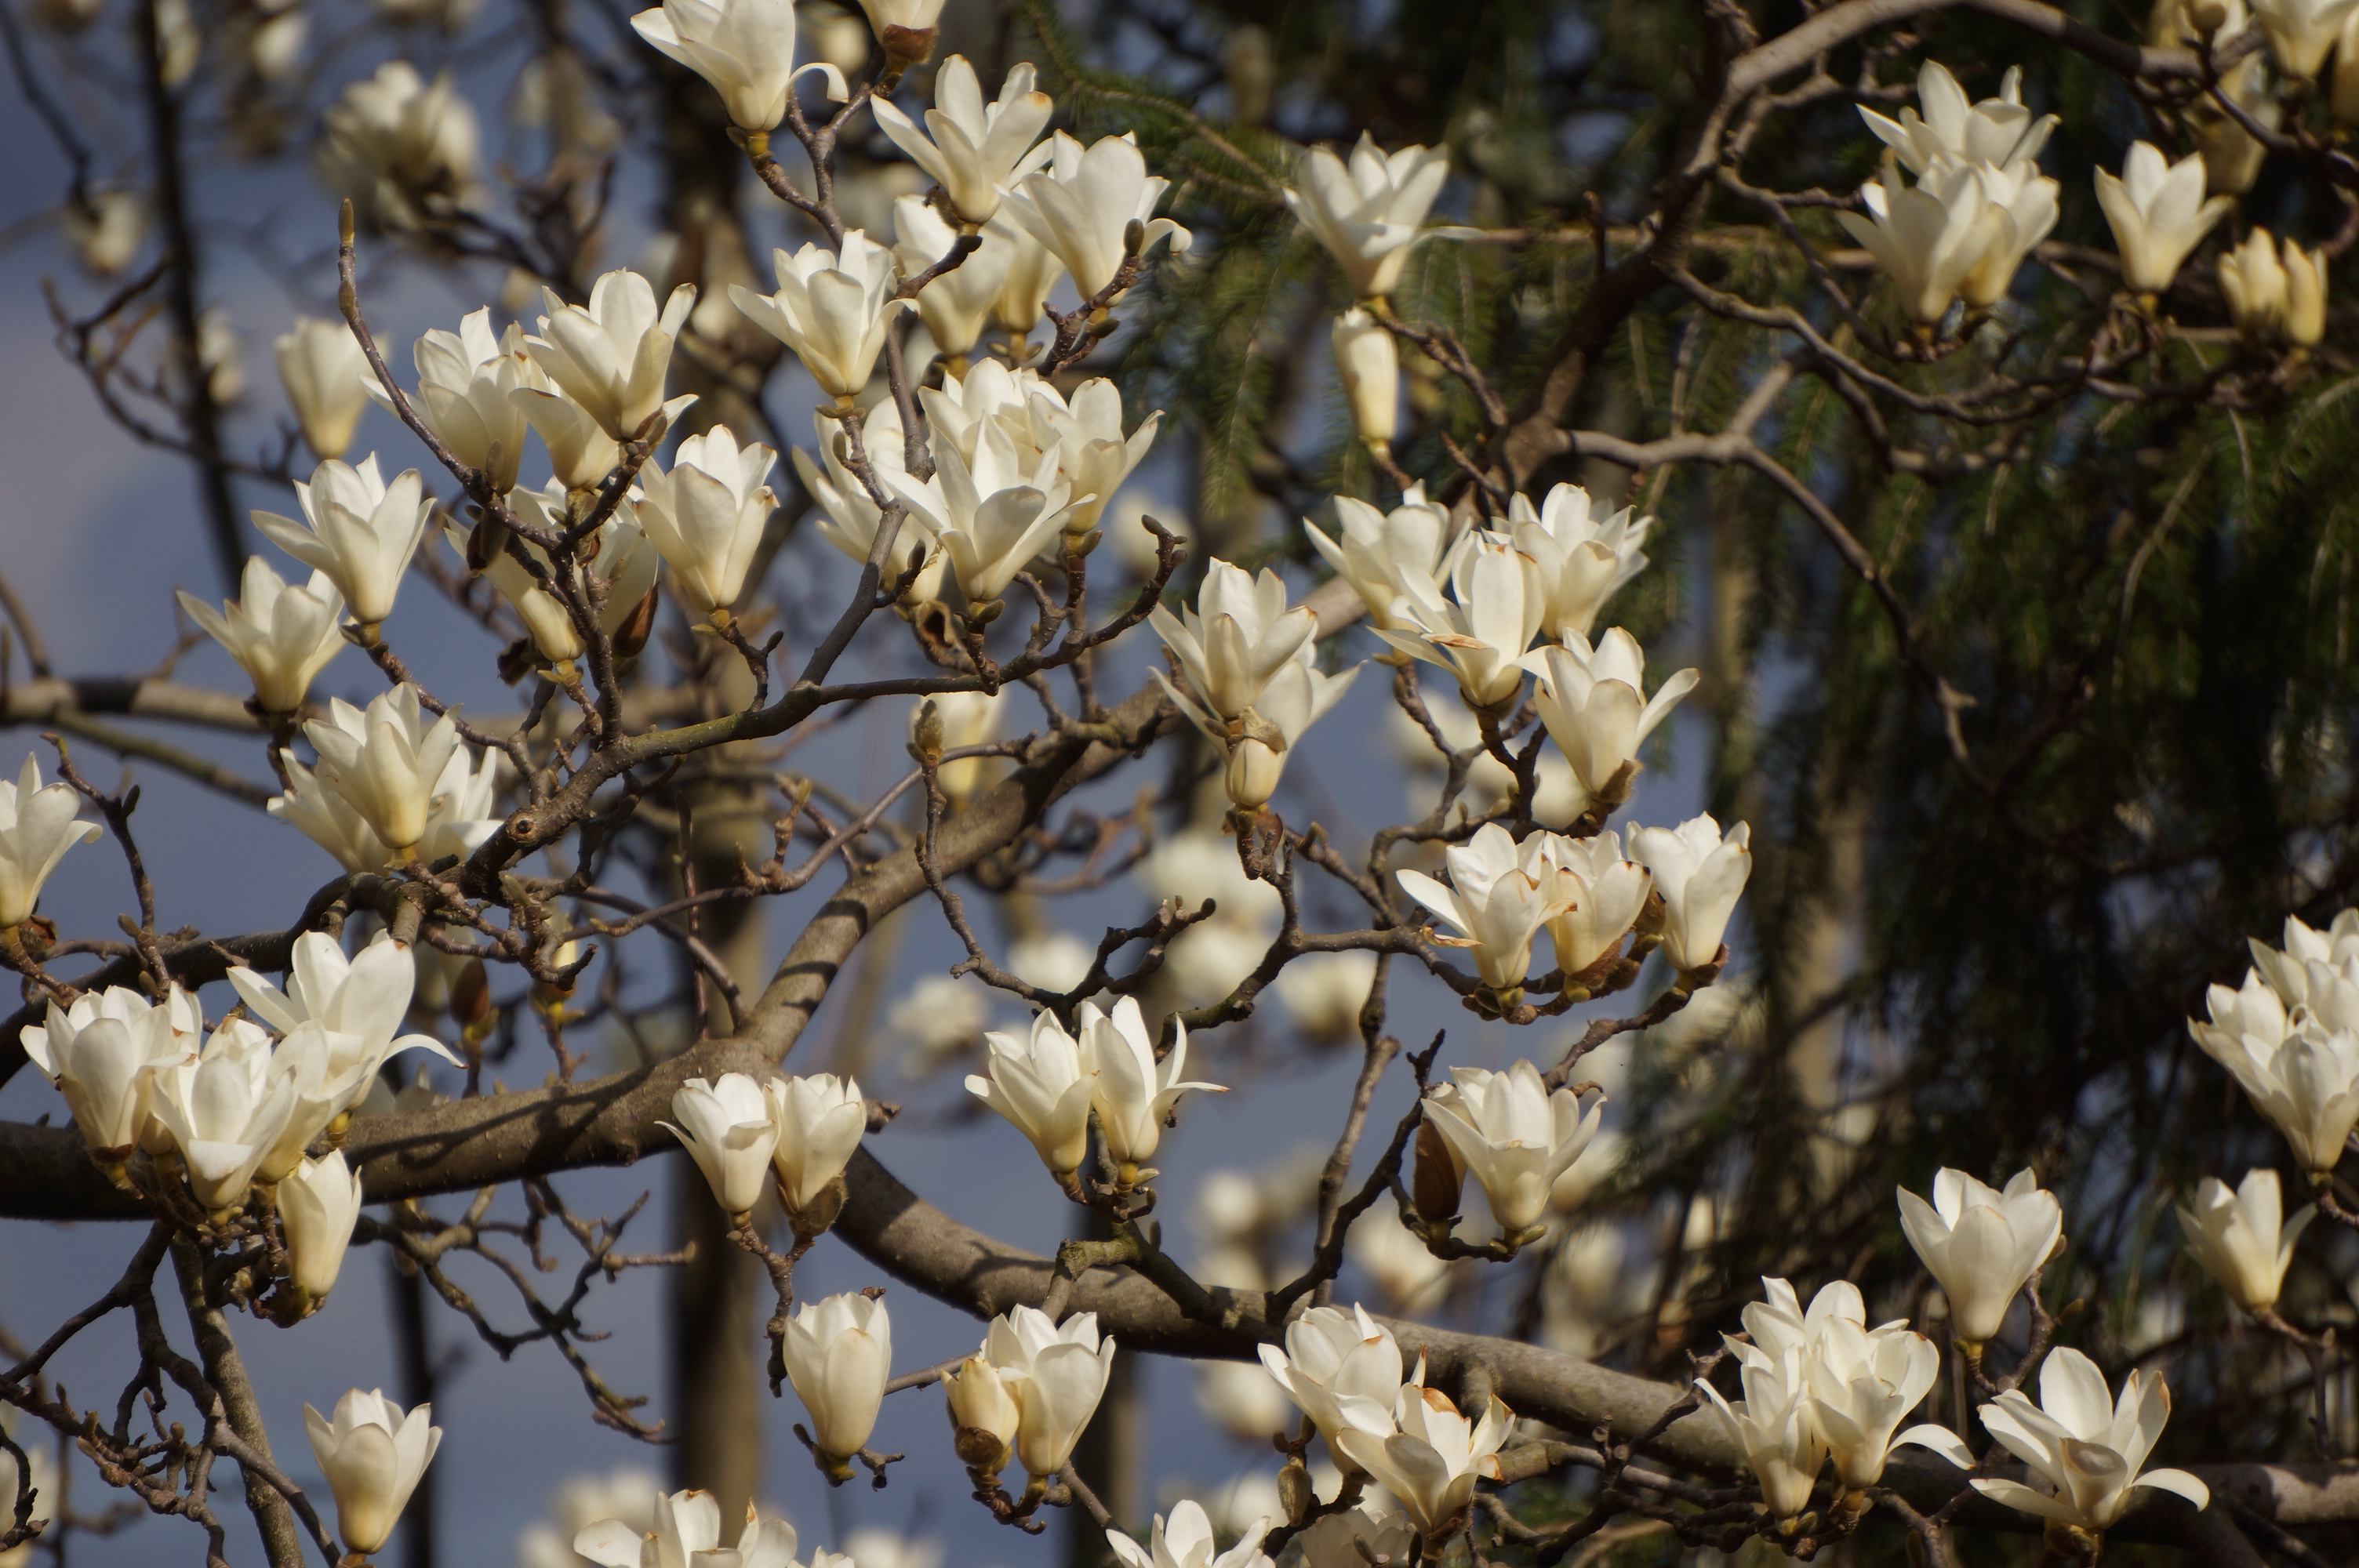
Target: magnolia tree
993 260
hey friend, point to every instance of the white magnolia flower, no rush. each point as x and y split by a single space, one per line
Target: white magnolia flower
1323 994
2242 1238
2287 972
1982 1244
1500 895
988 394
1482 629
1580 552
360 1002
468 382
319 1203
819 1119
2300 31
327 378
611 357
833 308
1331 1356
1863 1383
2158 214
1368 367
2084 1447
106 1074
1515 1137
985 1416
1772 1426
2300 1072
1033 270
849 515
624 565
225 1112
280 636
626 1495
1607 895
1366 211
957 304
746 49
2031 202
462 809
1093 453
1379 553
727 1127
1995 132
941 1017
362 532
1931 235
403 151
372 1456
1081 206
36 829
975 151
1701 876
1056 1373
1134 1093
1053 960
687 1533
104 1078
838 1355
1043 1086
2273 294
1334 1541
1237 639
705 515
1185 1541
1593 703
993 513
385 762
1425 1451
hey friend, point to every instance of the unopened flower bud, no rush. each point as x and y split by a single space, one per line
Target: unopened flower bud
926 735
471 995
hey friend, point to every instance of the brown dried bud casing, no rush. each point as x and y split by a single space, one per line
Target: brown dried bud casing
905 47
926 735
632 635
471 995
1295 1494
1434 1190
814 1219
980 1451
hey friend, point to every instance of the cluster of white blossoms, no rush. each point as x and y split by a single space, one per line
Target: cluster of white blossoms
246 1106
1051 1084
799 1131
2290 1035
1979 204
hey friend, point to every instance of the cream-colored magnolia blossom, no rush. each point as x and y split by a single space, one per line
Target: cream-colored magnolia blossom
839 1355
1379 553
975 151
281 636
746 49
1367 209
319 1204
362 532
468 382
611 356
1515 1137
1701 875
705 514
2084 1447
37 825
1080 205
833 308
727 1127
2158 214
1982 1244
2242 1237
372 1456
327 379
1500 896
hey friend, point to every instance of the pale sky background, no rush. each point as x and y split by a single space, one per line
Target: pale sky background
96 531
